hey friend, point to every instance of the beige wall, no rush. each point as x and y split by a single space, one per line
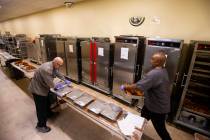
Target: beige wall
185 19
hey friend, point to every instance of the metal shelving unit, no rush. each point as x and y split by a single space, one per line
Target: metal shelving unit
194 108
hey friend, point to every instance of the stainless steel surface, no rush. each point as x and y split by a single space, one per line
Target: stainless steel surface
84 100
48 46
127 62
172 48
60 52
76 93
194 122
111 111
97 106
34 52
96 58
112 128
194 109
173 55
73 58
43 49
87 70
103 79
62 92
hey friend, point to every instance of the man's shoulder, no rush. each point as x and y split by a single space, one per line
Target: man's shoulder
47 66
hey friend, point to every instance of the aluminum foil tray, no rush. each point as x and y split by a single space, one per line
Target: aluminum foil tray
62 92
76 93
84 100
97 106
111 111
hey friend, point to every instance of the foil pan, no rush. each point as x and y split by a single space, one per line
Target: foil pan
84 100
111 111
97 106
76 93
62 92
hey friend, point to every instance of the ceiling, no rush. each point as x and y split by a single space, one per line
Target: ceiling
15 8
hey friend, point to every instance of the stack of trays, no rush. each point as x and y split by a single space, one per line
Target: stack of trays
84 100
76 93
111 111
97 106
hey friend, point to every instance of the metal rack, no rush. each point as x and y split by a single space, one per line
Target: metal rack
9 42
194 108
48 46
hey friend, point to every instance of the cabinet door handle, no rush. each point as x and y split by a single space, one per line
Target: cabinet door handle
177 77
111 71
48 51
137 69
183 79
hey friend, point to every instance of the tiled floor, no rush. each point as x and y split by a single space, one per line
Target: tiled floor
18 119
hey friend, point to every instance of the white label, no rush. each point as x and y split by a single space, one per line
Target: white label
155 20
124 53
101 51
18 44
71 48
42 42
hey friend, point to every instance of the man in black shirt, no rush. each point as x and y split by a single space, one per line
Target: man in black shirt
156 88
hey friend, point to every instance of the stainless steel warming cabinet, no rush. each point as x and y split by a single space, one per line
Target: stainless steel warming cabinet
128 59
97 61
172 48
73 58
34 52
60 52
194 108
48 46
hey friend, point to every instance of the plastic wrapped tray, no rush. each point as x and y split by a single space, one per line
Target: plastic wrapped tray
84 100
111 111
97 106
62 92
76 93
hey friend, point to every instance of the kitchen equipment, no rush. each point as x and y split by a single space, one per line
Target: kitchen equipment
128 59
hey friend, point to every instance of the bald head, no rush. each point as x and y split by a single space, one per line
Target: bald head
57 62
158 59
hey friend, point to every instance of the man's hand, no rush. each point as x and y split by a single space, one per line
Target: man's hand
67 82
58 86
136 134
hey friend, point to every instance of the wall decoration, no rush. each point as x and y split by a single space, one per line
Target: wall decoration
136 21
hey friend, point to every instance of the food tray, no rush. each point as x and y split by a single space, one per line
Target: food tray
97 106
76 93
111 111
62 92
84 100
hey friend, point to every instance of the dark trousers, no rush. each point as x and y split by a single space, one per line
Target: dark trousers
158 121
42 104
